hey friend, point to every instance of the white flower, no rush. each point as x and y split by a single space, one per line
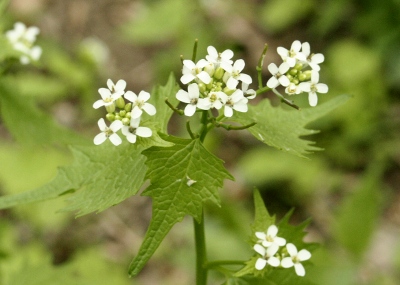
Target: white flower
139 103
313 60
251 94
107 98
134 130
292 89
295 259
192 98
269 238
213 100
222 60
108 132
22 39
192 71
313 87
232 78
279 76
236 101
118 88
291 56
267 256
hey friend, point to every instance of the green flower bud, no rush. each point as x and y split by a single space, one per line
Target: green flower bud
110 117
122 113
202 87
308 74
128 115
302 76
219 73
126 121
209 69
298 66
290 77
295 81
120 102
210 85
228 91
293 71
117 117
128 107
110 108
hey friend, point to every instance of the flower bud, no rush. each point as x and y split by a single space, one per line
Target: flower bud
117 117
295 81
290 77
128 107
308 74
302 76
209 69
202 87
110 108
298 66
228 91
219 73
120 102
210 85
122 113
126 121
128 115
110 117
293 71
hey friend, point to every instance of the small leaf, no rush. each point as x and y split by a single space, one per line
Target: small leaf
282 129
182 177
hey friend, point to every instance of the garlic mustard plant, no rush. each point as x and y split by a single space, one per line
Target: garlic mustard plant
295 259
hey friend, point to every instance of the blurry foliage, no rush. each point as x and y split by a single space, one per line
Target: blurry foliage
361 43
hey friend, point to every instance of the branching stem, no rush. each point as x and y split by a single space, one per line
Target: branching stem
176 110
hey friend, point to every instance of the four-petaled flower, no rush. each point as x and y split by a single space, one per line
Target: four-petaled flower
295 259
107 98
269 238
118 88
236 101
267 256
279 76
313 87
134 130
139 103
192 98
222 60
192 70
108 132
313 60
291 56
232 78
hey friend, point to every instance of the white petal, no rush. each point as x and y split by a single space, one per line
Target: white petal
150 109
245 78
102 124
304 254
125 130
186 78
204 76
130 96
105 93
228 112
312 99
305 48
212 51
260 264
305 87
31 33
272 249
98 104
193 90
241 107
204 104
287 262
232 83
291 248
189 64
136 112
283 68
190 110
144 132
227 54
116 125
322 87
282 52
273 68
144 96
36 52
280 241
272 82
274 261
202 63
110 84
272 231
291 61
131 137
115 139
226 66
183 96
121 85
259 249
238 65
314 76
100 138
299 268
284 81
296 46
217 104
314 66
237 96
318 58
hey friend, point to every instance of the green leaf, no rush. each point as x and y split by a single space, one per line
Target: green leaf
158 96
282 129
28 124
182 177
99 177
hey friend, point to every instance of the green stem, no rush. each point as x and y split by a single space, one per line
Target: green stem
217 263
259 66
195 50
286 101
204 123
201 255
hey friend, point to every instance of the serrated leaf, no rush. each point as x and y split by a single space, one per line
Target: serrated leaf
158 96
182 177
28 124
99 177
282 129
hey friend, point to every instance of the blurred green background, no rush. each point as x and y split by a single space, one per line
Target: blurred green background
350 190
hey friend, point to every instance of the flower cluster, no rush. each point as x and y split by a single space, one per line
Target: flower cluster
22 40
272 252
299 71
213 84
123 116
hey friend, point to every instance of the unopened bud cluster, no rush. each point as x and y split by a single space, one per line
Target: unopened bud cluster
122 115
299 72
213 84
276 252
